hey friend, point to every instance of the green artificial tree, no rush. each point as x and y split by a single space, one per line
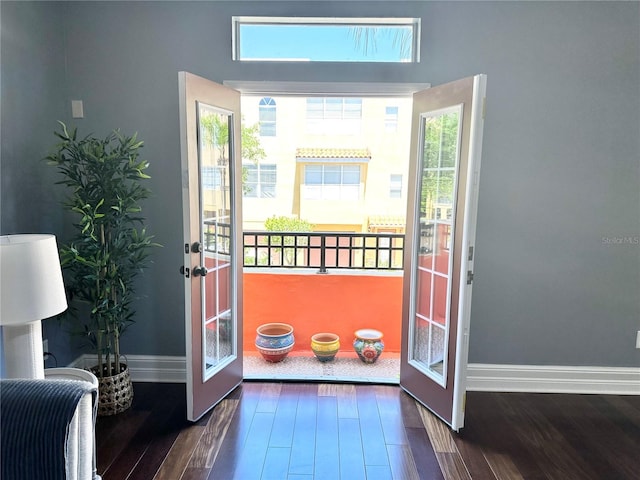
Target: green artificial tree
105 183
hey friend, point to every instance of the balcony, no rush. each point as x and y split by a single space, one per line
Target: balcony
323 282
331 282
320 282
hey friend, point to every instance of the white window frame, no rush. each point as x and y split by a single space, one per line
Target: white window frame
270 104
238 21
334 122
391 119
211 177
395 185
332 191
260 184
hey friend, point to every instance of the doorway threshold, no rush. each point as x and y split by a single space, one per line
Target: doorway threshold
303 366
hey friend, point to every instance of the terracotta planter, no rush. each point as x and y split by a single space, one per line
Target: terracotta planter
274 341
325 346
368 344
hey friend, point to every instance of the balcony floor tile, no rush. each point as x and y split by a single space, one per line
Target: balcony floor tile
304 366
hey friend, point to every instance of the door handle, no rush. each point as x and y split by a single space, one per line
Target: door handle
199 271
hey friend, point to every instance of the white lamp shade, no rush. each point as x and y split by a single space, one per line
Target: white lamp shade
31 285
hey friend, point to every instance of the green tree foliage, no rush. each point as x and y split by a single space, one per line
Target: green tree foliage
287 225
439 161
215 128
104 180
367 38
251 148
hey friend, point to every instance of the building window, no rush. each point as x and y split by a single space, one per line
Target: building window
395 186
267 117
314 39
211 177
391 119
331 182
333 115
260 180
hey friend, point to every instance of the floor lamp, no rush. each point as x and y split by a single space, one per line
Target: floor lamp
31 289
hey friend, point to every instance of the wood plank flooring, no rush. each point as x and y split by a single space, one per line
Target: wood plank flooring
307 431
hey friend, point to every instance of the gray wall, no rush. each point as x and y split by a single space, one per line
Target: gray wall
33 87
561 158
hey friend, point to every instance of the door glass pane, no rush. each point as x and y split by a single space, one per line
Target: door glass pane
215 132
433 263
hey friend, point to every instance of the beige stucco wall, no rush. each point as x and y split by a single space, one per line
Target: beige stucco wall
389 155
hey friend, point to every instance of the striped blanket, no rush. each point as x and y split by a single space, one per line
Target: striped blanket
34 423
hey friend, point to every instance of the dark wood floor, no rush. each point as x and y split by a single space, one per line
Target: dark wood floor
296 431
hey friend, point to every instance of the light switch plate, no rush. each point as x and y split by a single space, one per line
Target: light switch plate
77 109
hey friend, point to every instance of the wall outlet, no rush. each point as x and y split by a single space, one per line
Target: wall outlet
638 339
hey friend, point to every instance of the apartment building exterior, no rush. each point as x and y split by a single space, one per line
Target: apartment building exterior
339 163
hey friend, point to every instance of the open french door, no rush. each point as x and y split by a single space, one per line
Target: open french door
446 144
210 151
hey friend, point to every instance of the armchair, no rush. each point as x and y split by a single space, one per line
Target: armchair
47 426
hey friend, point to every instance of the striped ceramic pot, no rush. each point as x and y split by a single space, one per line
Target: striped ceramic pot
274 341
325 346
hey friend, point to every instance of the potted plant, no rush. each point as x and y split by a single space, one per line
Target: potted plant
111 247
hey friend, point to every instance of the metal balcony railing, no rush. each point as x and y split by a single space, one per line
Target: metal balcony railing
321 250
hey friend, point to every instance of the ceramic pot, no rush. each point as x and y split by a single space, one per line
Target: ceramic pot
325 346
274 355
368 344
274 341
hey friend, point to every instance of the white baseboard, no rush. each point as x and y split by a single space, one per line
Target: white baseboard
480 377
553 379
145 368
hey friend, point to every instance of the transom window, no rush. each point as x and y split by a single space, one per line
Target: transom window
260 180
331 182
320 39
267 117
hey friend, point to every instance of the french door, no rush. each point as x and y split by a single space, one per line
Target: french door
446 143
211 186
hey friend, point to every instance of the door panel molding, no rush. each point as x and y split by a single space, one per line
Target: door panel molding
446 401
203 395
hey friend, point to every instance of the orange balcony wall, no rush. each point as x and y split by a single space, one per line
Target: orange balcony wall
337 302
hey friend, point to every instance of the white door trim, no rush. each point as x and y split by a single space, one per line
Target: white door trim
359 89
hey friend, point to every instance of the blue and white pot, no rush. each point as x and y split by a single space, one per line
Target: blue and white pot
274 341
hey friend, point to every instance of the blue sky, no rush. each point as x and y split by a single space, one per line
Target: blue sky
311 42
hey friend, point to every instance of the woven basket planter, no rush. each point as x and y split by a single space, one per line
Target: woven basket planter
115 391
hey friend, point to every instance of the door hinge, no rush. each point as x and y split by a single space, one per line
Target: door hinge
470 253
469 277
